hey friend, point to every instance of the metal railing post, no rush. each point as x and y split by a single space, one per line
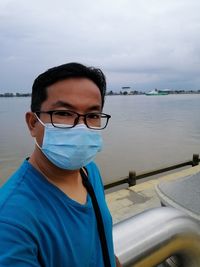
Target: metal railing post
132 178
195 159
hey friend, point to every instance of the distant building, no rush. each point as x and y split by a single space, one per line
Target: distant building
126 90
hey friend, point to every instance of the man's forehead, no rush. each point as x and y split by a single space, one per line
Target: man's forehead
72 94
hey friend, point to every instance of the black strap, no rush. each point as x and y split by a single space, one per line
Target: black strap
99 219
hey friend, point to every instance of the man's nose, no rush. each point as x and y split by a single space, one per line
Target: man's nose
80 119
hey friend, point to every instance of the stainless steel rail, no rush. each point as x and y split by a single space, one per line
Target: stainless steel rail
148 239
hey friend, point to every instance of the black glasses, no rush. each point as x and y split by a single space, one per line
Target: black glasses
69 119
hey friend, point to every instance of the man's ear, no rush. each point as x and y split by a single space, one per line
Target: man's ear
31 121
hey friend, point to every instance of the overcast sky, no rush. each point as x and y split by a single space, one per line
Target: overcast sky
144 44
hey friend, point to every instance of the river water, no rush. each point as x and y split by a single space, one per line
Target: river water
144 133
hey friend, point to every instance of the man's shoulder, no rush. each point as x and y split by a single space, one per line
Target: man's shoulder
12 183
94 175
92 166
16 195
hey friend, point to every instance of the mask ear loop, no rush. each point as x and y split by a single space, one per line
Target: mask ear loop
39 120
37 144
35 137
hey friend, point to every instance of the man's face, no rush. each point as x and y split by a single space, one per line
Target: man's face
75 94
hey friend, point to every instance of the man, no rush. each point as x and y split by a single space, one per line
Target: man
47 212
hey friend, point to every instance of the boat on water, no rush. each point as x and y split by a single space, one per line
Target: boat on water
156 92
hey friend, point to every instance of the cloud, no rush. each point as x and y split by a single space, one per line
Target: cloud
146 43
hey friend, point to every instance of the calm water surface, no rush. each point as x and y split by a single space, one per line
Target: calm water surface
145 132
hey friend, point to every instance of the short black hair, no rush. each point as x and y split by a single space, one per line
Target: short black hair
62 72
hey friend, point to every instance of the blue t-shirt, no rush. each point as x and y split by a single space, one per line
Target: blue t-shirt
40 226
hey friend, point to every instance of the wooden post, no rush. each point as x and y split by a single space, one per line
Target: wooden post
195 160
132 178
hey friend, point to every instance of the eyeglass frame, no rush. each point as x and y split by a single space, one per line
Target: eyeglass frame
76 120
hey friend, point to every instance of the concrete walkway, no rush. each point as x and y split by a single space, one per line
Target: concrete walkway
133 200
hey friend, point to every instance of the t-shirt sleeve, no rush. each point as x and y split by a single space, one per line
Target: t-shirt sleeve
17 247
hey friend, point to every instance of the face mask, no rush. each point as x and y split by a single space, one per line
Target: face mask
71 148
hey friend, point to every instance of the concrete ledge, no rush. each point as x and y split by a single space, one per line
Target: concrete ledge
126 203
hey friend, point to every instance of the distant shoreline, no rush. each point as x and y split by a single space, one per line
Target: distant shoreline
15 95
111 93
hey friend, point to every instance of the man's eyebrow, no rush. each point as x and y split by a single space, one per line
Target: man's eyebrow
94 108
60 103
63 104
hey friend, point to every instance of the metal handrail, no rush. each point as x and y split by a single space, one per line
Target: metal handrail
148 239
132 177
